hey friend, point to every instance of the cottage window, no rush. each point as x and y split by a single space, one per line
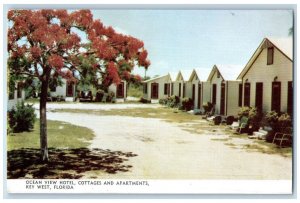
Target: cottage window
218 74
172 88
183 95
270 56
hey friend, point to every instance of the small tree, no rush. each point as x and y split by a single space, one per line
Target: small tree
45 44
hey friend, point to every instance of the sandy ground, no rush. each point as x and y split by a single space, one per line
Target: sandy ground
165 151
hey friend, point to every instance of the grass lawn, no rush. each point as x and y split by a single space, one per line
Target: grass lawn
60 135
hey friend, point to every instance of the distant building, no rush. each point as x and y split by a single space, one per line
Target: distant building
224 89
16 95
157 88
67 90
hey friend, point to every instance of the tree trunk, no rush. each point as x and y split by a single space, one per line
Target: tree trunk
43 121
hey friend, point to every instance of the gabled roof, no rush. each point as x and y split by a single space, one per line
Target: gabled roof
202 73
227 72
152 79
186 74
284 45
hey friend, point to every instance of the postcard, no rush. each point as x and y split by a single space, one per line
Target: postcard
149 101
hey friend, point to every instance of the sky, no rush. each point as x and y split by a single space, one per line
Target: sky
185 39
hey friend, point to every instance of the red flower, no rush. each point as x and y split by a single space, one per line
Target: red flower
55 61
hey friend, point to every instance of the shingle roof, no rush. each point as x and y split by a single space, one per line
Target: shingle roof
283 44
152 79
229 72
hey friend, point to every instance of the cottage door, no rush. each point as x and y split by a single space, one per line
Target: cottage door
276 94
154 90
259 96
70 91
222 101
120 90
247 88
193 94
214 95
199 95
290 97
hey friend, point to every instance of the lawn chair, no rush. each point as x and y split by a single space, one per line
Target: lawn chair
243 124
283 138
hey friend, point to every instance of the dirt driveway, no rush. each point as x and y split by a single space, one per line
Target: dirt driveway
166 151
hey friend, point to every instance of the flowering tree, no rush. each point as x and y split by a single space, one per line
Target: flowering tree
46 44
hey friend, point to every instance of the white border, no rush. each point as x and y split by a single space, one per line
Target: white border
110 2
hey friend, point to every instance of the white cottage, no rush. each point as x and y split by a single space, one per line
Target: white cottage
17 95
157 88
182 86
196 81
224 89
120 91
67 90
267 78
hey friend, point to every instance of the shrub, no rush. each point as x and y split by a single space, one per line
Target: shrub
173 101
279 123
163 101
272 118
187 103
249 112
254 116
208 107
21 119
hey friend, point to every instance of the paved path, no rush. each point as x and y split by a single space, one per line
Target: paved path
165 151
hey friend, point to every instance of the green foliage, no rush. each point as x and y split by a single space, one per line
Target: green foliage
252 114
21 119
285 123
279 123
135 90
172 101
249 112
271 117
